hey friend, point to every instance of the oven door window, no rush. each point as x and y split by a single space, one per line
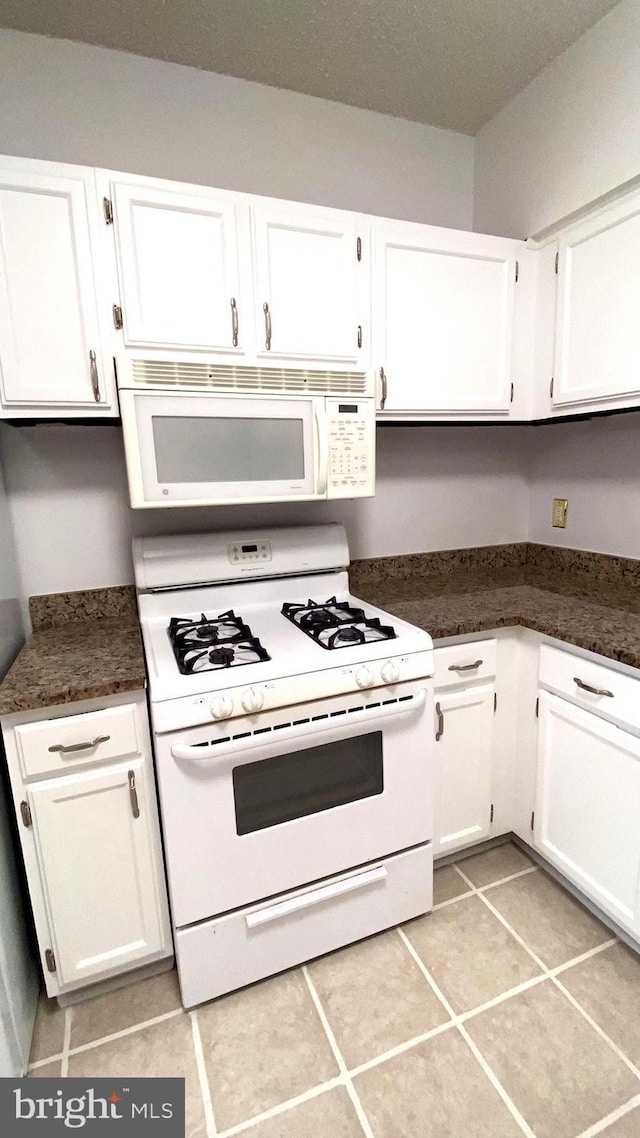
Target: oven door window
300 783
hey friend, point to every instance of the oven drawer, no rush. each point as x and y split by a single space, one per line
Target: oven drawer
56 746
600 689
266 938
460 663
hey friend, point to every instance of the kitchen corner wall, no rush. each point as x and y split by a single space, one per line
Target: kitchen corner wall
569 137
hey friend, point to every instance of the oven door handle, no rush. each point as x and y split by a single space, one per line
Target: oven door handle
316 896
182 751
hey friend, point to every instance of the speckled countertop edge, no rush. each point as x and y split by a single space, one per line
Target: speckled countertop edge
87 644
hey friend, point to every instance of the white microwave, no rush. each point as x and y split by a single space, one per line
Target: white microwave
198 434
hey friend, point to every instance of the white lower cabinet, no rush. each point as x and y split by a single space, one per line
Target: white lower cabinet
588 805
463 755
91 841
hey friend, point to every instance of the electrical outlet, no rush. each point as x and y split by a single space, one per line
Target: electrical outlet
559 513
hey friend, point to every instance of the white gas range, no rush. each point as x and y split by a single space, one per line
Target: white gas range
292 730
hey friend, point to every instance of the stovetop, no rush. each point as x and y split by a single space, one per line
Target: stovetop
269 645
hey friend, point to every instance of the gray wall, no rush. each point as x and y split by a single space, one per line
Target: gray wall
73 103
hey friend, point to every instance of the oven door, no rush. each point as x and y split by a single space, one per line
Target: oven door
276 803
192 449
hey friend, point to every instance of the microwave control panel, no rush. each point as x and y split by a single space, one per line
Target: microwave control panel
351 425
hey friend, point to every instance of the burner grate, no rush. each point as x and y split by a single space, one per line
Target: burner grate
214 642
337 624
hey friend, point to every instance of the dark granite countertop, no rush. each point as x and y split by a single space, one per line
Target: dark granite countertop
593 602
87 644
84 645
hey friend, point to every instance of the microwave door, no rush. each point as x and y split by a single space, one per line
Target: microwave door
192 449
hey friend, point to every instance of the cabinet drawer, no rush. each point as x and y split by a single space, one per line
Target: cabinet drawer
615 696
263 939
54 746
459 663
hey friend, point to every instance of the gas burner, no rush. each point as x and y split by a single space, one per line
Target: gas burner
223 641
337 624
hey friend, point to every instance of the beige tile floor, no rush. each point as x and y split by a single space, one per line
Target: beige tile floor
508 1011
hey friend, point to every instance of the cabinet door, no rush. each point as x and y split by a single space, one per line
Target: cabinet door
307 281
588 805
178 262
463 755
443 318
48 309
101 871
597 332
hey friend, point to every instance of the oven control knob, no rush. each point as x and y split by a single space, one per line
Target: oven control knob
365 677
222 707
390 672
252 700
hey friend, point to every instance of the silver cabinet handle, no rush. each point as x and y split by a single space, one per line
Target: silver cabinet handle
440 731
384 388
133 794
234 322
267 326
465 667
594 691
72 747
359 335
95 382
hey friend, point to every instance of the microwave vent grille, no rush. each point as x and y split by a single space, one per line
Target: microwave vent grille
234 377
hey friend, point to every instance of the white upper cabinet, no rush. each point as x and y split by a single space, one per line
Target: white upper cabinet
51 354
179 267
308 279
597 353
443 317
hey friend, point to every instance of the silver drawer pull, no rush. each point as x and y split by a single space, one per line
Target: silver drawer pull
594 691
440 731
267 326
465 667
67 750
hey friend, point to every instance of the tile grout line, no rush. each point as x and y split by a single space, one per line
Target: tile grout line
44 1062
550 974
283 1107
480 1059
64 1066
126 1031
603 1035
472 889
511 877
400 1048
342 1066
205 1090
614 1116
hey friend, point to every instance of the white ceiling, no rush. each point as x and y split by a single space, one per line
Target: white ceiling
450 63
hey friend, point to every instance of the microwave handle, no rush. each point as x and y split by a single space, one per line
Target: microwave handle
322 449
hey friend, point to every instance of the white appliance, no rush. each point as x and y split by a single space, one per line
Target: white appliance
293 733
207 434
19 980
